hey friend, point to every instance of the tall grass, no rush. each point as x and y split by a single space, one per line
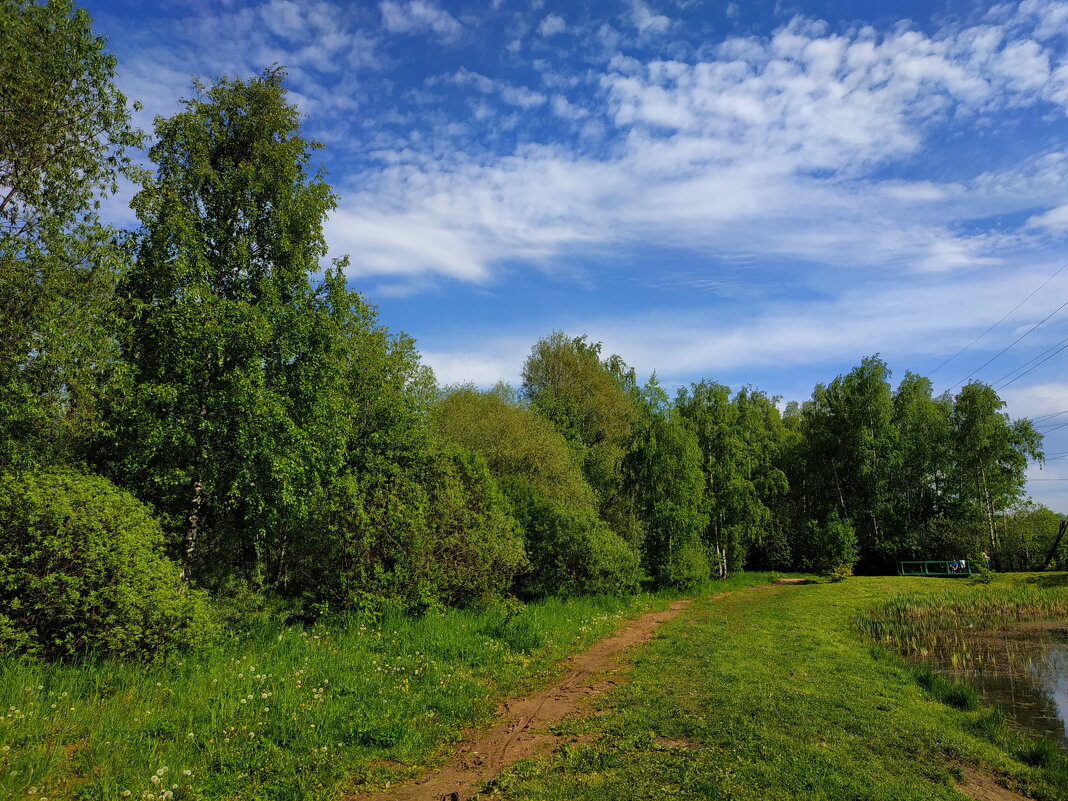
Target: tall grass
280 711
973 607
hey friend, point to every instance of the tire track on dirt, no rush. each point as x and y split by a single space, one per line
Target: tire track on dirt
522 733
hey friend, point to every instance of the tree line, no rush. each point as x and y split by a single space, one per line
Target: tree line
197 407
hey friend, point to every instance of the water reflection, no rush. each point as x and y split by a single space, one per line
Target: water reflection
1024 669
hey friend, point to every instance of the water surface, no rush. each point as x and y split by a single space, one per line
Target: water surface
1023 668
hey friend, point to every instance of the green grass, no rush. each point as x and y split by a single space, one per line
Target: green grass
283 712
962 604
775 695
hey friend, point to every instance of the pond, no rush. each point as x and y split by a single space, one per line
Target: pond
1022 667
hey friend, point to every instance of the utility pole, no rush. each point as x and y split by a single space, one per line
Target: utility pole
1056 544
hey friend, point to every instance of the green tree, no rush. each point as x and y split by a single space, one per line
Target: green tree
989 458
830 547
851 453
591 402
231 426
664 475
516 443
571 550
64 134
409 517
918 482
427 530
1029 532
739 439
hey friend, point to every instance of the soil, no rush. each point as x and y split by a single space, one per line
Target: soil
983 788
523 731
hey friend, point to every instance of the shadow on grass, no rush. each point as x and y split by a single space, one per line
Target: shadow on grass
1050 581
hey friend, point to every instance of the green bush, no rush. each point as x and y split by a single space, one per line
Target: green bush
830 548
687 566
82 572
839 573
435 531
570 553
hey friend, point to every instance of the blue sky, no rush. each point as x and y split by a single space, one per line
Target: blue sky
758 193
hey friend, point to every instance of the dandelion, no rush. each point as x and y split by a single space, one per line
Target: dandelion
187 772
154 779
126 793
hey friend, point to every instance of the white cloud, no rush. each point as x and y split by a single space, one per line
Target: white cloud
1038 400
552 25
931 317
567 110
1023 64
1049 19
790 128
519 96
419 16
647 21
1055 220
500 359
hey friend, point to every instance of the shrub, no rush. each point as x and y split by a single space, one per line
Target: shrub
570 553
839 573
687 567
82 572
830 547
430 532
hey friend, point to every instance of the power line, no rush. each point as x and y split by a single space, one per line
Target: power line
1048 416
1032 369
1029 361
999 322
1013 343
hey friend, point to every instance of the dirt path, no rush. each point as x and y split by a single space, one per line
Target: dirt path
981 787
525 720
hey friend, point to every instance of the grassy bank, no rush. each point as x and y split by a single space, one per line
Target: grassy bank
774 694
282 712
